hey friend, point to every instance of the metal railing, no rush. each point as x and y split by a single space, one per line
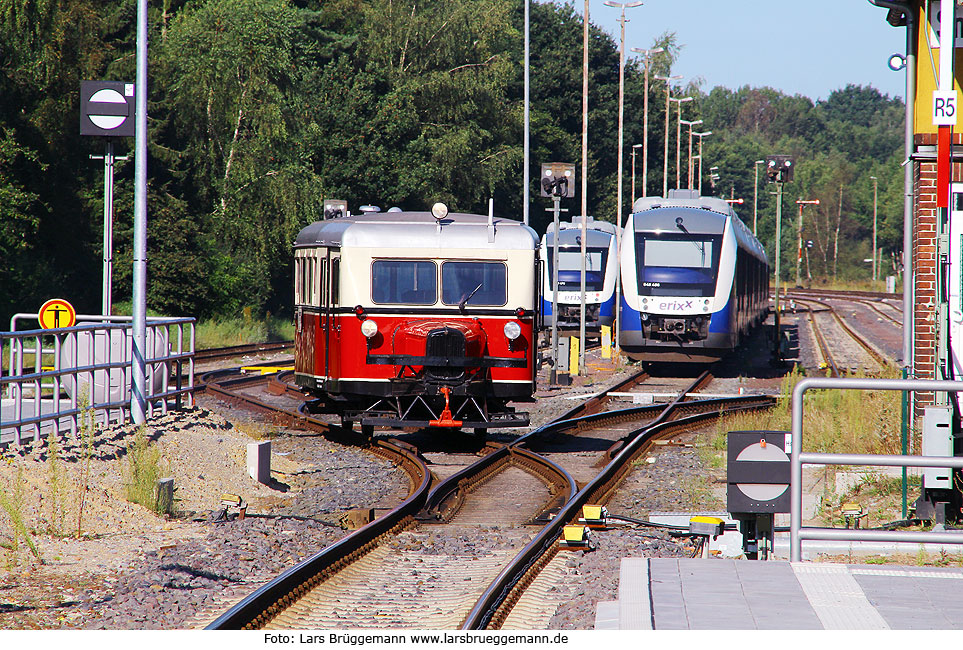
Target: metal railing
797 531
54 375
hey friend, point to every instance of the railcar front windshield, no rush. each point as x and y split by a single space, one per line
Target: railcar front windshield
677 264
404 282
570 268
474 283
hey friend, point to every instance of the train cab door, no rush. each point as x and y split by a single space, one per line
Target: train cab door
332 296
318 282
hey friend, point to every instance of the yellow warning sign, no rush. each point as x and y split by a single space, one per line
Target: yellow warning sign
573 356
55 313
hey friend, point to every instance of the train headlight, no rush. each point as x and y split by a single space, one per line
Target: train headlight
512 330
369 328
645 317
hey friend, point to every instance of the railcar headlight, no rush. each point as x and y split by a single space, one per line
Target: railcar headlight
369 328
512 330
645 317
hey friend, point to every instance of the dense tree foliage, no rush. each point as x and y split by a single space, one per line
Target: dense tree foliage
261 109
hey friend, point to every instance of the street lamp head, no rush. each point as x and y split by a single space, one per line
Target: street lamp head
648 53
610 3
759 162
636 146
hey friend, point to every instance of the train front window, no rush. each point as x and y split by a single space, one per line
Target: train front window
677 264
404 282
570 268
474 283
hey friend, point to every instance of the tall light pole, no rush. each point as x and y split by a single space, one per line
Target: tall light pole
525 171
665 156
875 180
647 59
581 327
701 135
635 148
678 139
618 216
799 249
755 194
690 124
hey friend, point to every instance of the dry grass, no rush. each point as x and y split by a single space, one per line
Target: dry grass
835 421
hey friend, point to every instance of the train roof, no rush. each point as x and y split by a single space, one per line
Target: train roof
590 224
683 198
701 214
418 230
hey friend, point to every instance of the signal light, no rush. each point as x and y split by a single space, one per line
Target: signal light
520 312
359 311
779 169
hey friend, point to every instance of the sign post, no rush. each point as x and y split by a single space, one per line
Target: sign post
107 109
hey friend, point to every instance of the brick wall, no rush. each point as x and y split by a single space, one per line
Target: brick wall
924 266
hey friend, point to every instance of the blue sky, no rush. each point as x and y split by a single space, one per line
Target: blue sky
807 47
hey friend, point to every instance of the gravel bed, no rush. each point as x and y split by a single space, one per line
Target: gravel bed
181 572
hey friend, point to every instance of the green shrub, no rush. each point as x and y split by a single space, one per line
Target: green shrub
143 470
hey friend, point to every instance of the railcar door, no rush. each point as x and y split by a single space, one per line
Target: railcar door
332 302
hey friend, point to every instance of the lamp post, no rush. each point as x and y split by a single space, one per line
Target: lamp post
678 139
665 156
755 194
690 125
585 70
875 181
801 203
618 217
647 59
635 148
701 135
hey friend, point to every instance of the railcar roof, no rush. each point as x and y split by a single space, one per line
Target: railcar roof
418 230
571 237
695 220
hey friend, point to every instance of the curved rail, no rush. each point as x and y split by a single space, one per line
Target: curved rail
493 606
263 604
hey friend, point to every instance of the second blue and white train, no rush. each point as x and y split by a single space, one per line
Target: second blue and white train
695 279
601 268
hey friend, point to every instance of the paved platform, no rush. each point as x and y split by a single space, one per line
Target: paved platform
728 594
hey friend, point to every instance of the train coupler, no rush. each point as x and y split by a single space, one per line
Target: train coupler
445 419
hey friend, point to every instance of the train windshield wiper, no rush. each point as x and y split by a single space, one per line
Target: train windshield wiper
698 244
464 301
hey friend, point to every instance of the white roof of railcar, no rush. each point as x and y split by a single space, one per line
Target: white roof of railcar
418 230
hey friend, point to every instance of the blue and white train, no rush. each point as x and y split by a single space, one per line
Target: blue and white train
601 267
694 279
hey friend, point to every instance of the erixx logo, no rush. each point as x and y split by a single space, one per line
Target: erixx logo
675 306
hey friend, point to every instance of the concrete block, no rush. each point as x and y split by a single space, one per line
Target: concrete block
259 461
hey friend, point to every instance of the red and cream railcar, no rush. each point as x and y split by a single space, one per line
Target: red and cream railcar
417 319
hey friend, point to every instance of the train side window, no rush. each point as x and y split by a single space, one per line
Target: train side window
475 283
336 281
404 282
297 281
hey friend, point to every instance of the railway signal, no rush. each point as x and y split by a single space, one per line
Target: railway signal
779 170
558 180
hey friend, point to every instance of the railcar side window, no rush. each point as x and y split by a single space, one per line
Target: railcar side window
474 283
404 282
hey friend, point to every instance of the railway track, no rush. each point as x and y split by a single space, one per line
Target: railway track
382 575
231 351
826 350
